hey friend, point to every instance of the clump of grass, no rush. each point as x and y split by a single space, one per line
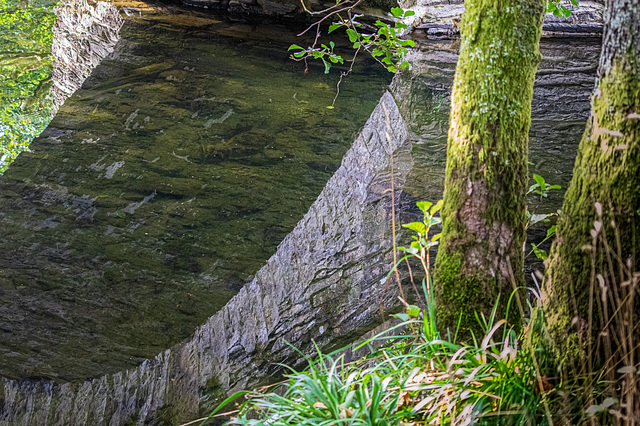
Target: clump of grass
419 378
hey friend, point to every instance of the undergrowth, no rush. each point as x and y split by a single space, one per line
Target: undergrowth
422 376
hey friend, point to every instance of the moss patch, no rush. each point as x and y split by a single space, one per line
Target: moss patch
484 211
607 171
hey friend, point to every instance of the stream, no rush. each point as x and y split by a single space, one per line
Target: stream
195 203
161 186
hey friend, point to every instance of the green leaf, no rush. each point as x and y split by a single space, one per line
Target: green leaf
411 12
424 205
392 69
433 221
295 46
551 231
332 44
334 26
418 227
540 181
540 254
327 66
411 250
435 209
402 317
535 218
397 11
353 35
413 310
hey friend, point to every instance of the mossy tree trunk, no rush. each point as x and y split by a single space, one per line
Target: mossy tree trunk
486 174
606 172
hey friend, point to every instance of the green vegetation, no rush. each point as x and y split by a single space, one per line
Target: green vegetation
572 356
25 75
414 374
419 376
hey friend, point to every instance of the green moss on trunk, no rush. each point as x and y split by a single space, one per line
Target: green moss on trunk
486 174
607 171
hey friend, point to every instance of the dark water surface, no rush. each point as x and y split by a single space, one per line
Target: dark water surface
160 187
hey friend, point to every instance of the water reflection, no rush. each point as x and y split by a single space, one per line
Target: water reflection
25 74
47 49
160 187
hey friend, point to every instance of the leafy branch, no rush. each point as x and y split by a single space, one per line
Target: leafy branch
382 40
554 6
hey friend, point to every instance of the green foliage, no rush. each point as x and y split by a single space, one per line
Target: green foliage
542 189
422 242
384 45
417 378
555 7
26 30
25 77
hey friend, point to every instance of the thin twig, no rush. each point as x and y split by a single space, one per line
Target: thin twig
393 199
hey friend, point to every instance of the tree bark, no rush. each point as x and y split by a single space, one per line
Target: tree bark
606 172
486 173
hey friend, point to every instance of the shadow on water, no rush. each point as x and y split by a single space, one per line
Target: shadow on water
160 187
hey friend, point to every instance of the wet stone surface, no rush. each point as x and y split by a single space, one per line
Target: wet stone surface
160 187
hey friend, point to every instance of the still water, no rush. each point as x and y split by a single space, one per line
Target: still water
161 186
190 152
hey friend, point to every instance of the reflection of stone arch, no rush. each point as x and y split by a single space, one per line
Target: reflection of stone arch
323 283
84 34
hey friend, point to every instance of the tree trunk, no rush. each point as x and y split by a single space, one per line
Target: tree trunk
486 174
606 172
